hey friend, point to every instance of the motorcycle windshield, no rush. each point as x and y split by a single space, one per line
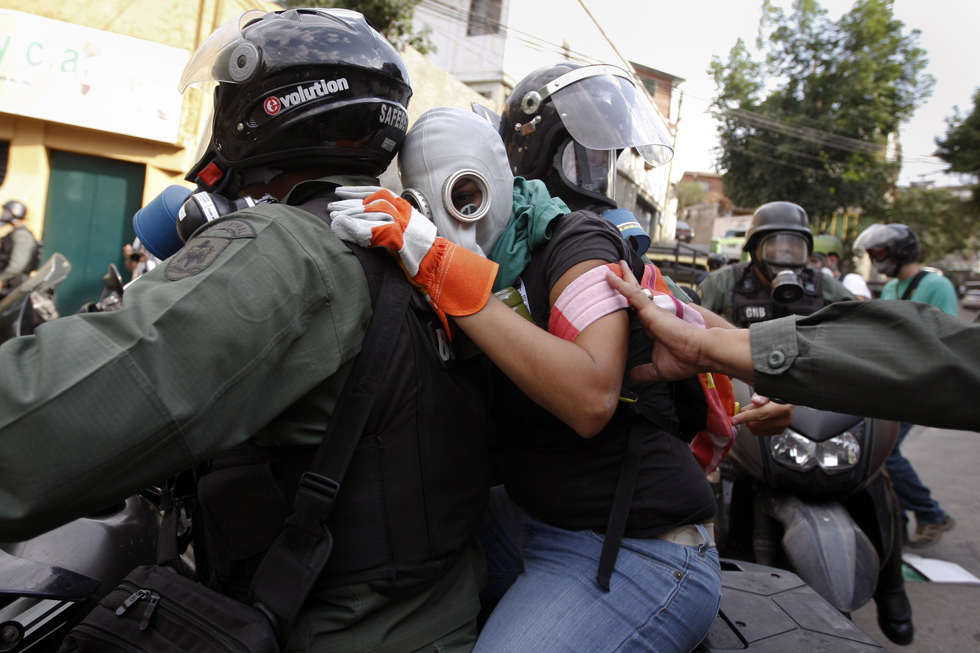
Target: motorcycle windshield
47 277
608 112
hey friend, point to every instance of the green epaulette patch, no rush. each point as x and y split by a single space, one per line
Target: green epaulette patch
203 249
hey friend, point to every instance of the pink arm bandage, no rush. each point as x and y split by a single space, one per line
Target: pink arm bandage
583 302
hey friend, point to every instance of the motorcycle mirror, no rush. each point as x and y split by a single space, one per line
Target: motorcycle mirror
490 116
113 280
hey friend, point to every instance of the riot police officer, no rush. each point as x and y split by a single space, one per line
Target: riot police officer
777 280
20 252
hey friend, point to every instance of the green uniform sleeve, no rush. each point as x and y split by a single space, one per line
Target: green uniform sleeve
716 291
903 361
209 348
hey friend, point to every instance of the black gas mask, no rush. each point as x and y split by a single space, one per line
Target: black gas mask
781 257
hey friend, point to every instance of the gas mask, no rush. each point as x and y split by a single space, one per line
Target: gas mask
781 257
887 266
455 172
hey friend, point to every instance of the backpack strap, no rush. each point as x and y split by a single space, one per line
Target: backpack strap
913 284
299 555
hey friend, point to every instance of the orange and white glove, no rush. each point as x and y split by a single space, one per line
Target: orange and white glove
455 280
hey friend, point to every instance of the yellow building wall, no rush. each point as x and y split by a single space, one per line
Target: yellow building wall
176 23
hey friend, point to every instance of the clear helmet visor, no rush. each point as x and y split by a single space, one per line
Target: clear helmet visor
784 250
877 237
593 171
210 62
604 110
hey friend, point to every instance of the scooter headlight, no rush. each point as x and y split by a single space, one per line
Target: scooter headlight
792 450
839 453
799 453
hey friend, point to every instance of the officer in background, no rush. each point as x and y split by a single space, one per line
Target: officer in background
236 349
20 253
716 261
777 280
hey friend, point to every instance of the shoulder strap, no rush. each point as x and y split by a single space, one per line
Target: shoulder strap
913 284
299 554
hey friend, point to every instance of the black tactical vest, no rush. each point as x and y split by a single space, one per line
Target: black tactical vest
416 489
752 301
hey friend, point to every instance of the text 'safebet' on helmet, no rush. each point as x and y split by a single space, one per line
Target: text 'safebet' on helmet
297 89
567 124
889 246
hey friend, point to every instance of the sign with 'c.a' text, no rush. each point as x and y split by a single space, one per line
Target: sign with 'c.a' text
51 70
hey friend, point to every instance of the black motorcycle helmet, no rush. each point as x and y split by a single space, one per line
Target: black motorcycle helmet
717 261
300 88
889 246
566 125
12 210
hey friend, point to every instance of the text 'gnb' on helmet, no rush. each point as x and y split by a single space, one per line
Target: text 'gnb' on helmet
566 125
12 210
296 89
889 246
780 243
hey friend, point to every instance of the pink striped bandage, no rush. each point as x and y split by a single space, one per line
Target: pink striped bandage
583 302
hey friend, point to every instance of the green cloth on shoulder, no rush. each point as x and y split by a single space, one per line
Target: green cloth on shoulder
534 210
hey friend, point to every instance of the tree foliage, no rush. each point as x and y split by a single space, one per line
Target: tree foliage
393 18
690 193
810 121
944 222
960 148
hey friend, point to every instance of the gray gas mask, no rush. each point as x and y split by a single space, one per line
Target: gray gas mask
454 170
782 257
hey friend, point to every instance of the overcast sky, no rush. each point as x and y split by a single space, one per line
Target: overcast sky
681 36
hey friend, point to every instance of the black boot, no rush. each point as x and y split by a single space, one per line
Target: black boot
895 616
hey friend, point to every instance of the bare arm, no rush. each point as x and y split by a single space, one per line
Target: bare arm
578 382
681 349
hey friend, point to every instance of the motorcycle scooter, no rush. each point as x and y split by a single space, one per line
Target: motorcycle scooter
813 500
33 302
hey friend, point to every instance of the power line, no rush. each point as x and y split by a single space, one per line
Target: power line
819 136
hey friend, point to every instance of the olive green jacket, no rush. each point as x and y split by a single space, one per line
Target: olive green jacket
904 361
248 331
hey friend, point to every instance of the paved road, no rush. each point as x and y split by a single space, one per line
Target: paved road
945 615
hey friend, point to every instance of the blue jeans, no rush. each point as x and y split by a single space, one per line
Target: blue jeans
912 494
664 596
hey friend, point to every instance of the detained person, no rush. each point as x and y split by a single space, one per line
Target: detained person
577 566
